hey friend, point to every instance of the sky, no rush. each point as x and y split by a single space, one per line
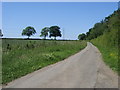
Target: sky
60 0
0 15
72 17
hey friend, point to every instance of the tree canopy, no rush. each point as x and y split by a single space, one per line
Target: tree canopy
55 31
1 33
28 31
44 32
82 36
110 23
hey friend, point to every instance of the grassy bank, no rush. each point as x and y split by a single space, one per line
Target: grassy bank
109 49
110 56
21 57
105 35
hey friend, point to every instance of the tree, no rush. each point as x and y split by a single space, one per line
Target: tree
44 32
1 33
119 5
28 31
55 31
82 36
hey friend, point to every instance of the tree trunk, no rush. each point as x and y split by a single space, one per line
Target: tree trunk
55 38
45 38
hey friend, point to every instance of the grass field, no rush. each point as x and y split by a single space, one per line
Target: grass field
21 57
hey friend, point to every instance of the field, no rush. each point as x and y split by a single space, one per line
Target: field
21 57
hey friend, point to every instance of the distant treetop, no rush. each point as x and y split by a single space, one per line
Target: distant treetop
1 33
28 31
55 31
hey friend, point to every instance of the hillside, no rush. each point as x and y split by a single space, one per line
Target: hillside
105 35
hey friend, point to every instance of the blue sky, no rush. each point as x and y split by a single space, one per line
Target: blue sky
73 17
0 15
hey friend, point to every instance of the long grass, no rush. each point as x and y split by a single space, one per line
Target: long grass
109 49
21 57
110 56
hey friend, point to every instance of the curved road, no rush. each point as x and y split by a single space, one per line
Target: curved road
82 70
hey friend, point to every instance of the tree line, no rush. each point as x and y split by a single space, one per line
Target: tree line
53 31
102 27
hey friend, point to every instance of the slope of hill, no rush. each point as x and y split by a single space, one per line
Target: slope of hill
105 35
108 41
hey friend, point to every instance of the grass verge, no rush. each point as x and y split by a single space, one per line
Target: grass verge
110 56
